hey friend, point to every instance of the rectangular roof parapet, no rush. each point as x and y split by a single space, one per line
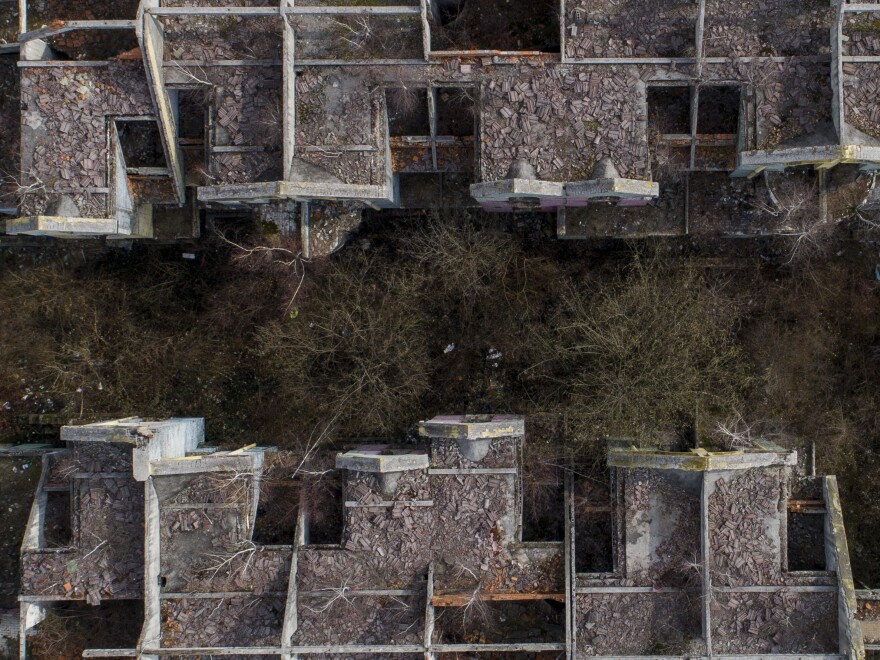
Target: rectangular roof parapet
472 427
699 460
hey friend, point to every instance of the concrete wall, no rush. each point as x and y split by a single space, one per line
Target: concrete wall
153 47
121 202
151 631
852 645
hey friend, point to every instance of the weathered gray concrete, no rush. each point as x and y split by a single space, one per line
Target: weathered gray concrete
472 427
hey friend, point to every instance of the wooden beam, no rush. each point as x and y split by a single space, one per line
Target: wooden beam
460 600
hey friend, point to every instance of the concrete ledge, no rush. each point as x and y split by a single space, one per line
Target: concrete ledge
852 643
61 227
372 461
614 187
698 462
263 192
473 427
247 463
824 156
499 191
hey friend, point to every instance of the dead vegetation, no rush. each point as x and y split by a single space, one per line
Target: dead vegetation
358 353
423 317
646 353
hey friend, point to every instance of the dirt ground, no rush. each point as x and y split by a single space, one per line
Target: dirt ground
8 22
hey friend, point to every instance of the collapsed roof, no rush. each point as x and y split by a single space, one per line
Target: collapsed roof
430 560
338 106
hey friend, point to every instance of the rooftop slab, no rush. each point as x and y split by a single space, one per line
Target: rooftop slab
374 460
472 427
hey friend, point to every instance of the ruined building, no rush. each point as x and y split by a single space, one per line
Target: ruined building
135 116
694 554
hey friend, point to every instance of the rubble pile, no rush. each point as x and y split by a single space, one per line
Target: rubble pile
209 549
639 624
216 622
406 157
630 28
106 560
862 34
563 122
445 454
456 157
102 457
766 27
255 569
781 622
336 123
338 615
247 115
794 99
209 39
743 510
65 115
206 488
860 92
475 502
676 560
62 466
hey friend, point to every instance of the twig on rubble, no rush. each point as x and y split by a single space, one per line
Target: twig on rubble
20 188
95 549
224 561
360 33
338 593
193 77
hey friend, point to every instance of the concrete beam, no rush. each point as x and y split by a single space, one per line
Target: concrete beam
288 101
706 462
340 10
61 227
569 558
472 471
291 607
297 190
245 463
467 427
860 7
852 644
424 11
615 187
428 638
69 26
355 649
498 648
367 461
706 556
152 43
151 632
505 189
750 162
